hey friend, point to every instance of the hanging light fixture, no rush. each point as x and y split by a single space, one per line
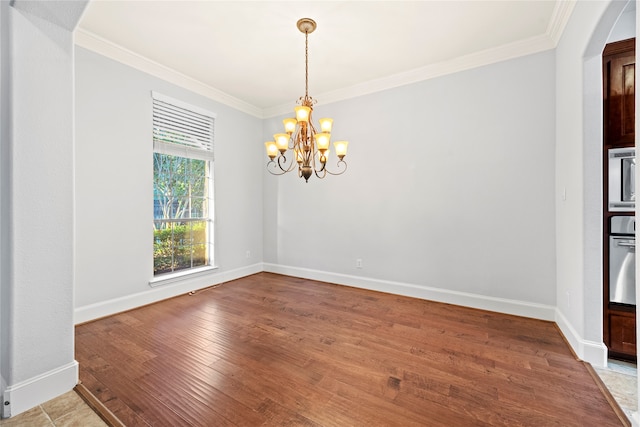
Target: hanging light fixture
302 145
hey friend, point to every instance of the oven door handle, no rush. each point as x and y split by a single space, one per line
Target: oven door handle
627 244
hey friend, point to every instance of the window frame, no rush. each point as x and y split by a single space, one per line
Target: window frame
197 148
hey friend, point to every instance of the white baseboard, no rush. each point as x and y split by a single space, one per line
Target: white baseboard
592 352
159 293
502 305
37 390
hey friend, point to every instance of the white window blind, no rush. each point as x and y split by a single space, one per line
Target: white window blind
180 129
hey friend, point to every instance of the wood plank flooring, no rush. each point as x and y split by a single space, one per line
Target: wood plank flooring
271 350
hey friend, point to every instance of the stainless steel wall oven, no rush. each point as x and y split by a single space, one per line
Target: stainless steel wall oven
622 260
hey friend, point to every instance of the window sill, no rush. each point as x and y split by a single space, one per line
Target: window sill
167 278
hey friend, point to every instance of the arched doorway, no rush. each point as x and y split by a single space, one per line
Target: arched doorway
592 163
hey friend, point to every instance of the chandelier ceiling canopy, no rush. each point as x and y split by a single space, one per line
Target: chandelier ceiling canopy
302 147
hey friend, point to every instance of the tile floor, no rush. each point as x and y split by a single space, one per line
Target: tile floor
68 410
621 378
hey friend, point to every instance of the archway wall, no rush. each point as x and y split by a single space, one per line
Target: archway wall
578 176
36 202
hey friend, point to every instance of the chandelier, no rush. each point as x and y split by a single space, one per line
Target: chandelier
302 145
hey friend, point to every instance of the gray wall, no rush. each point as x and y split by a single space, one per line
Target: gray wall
5 177
450 172
114 188
37 202
450 187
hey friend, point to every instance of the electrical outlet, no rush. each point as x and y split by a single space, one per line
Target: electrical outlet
248 254
358 263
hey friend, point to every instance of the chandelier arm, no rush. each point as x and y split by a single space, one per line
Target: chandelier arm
273 169
340 163
282 160
298 144
313 163
313 152
313 128
323 171
280 167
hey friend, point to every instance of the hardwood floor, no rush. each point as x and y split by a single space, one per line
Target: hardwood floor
271 350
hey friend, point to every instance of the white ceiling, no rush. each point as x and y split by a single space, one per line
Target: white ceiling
251 54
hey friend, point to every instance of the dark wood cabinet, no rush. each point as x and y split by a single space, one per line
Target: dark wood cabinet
618 81
618 71
622 328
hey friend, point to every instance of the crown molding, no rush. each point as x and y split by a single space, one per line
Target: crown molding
489 56
560 16
559 19
118 53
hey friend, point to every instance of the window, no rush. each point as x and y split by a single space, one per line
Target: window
182 186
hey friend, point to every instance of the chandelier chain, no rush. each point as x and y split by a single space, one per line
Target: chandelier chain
306 64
